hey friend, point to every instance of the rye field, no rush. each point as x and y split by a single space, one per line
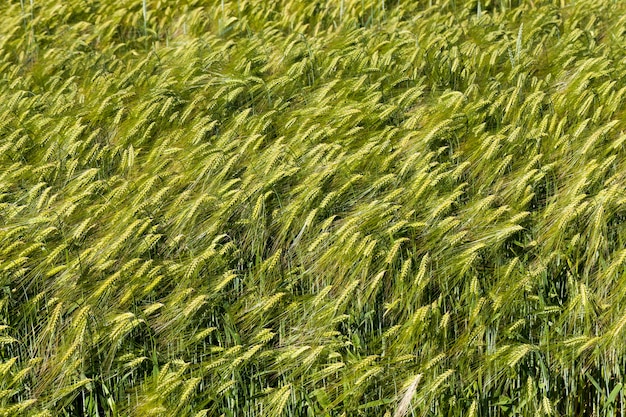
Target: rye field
297 208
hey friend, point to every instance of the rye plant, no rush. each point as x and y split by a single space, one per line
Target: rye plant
335 208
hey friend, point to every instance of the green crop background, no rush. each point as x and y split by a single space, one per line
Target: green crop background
312 208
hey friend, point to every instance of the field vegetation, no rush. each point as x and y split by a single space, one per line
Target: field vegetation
310 208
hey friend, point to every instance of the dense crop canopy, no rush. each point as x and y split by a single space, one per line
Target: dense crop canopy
312 208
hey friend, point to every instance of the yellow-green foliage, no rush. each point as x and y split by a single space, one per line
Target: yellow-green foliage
312 208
